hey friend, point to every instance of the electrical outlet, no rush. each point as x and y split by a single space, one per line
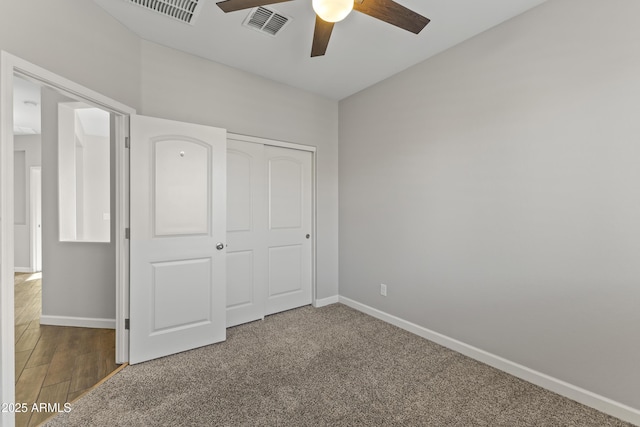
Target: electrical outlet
383 289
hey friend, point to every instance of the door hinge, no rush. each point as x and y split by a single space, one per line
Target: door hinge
127 142
126 324
127 233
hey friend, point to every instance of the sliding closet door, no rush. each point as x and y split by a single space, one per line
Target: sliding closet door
246 232
269 223
289 249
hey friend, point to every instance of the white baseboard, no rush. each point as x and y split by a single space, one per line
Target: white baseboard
23 270
80 322
601 403
326 301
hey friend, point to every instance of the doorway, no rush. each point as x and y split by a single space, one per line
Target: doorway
58 354
10 67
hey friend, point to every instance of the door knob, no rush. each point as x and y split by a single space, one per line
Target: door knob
308 235
220 246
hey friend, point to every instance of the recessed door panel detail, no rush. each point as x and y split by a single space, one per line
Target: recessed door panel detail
239 201
285 270
181 294
181 187
285 193
239 278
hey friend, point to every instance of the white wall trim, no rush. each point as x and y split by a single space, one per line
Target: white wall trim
23 270
586 397
78 322
7 350
326 301
122 244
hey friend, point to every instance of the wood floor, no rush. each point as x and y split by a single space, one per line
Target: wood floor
54 364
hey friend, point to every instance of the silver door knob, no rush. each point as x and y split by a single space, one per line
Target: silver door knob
220 246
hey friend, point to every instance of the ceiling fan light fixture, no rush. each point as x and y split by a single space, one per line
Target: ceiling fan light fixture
332 10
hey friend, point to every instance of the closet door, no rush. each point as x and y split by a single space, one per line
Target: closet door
246 232
269 222
289 214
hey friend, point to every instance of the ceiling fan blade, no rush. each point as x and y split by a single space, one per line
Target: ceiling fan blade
233 5
392 13
321 36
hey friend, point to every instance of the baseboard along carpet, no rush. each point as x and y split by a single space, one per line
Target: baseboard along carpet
331 366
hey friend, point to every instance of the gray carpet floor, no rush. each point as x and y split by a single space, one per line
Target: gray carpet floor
332 366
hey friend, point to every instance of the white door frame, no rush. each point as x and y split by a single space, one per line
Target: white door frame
314 192
35 199
10 65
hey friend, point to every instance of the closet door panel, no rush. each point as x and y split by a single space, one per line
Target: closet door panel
246 233
289 200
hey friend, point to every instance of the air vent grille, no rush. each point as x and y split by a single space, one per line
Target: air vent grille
182 10
266 21
259 18
275 24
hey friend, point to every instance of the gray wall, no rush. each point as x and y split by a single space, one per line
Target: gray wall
77 40
183 87
495 189
30 145
79 279
96 188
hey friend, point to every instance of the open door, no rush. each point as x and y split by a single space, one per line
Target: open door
36 217
178 226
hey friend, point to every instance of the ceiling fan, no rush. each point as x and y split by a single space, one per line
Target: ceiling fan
328 12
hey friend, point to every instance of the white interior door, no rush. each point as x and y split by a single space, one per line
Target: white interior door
36 217
289 250
178 226
246 232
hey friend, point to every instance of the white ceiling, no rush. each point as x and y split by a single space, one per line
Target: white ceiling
26 115
362 50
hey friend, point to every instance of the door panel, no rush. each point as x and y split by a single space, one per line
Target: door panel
289 197
240 182
178 215
181 187
285 193
240 279
246 233
285 270
194 292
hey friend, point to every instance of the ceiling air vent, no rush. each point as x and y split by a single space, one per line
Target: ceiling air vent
182 10
266 21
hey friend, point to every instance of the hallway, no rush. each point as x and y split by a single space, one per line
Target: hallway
54 364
